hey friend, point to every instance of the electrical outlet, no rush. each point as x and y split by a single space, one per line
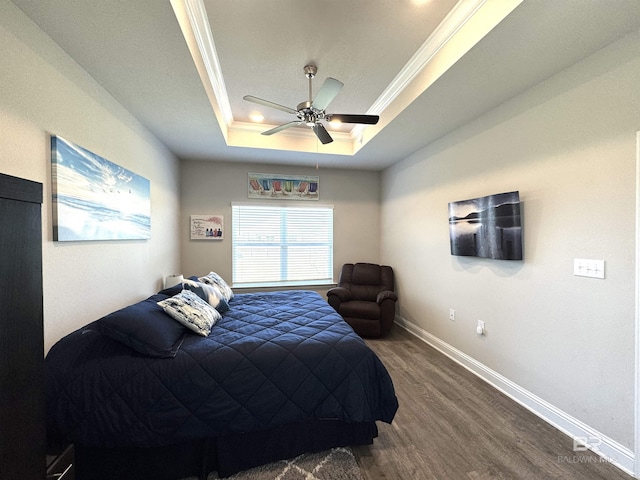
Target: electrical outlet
452 315
480 327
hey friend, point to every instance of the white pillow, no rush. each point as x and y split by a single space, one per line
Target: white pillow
212 278
191 311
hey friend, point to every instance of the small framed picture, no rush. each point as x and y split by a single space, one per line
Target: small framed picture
207 227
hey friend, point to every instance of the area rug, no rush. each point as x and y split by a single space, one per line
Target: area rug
335 464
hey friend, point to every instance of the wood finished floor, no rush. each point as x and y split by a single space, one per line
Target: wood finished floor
453 426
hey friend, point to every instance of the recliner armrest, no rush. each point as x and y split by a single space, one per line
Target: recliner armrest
386 295
341 293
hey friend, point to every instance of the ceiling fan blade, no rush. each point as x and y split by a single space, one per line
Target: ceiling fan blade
322 133
330 88
284 126
346 118
267 103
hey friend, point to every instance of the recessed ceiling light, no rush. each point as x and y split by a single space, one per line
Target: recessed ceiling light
256 117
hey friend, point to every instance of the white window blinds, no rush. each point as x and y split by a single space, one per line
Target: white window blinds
275 245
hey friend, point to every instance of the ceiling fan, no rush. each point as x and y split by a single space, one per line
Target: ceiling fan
312 111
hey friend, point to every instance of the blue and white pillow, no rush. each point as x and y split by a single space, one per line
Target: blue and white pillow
212 278
209 293
191 311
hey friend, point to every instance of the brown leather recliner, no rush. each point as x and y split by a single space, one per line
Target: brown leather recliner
366 298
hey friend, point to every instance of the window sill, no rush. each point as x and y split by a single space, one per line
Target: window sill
260 287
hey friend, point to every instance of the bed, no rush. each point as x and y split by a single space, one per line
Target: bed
279 374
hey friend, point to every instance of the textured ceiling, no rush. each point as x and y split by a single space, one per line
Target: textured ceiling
138 52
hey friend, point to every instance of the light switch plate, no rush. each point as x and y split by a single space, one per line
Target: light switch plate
583 267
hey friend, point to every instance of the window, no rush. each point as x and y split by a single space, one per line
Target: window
275 245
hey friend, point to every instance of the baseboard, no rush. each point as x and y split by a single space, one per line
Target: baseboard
604 446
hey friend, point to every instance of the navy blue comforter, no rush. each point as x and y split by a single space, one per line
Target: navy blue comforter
273 359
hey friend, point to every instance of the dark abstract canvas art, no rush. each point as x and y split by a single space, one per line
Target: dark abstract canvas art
488 227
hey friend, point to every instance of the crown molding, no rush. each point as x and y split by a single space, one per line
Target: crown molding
194 22
461 13
454 21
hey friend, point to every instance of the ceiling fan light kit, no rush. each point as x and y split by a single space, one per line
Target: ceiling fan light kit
312 111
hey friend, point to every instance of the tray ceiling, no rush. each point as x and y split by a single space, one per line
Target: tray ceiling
181 67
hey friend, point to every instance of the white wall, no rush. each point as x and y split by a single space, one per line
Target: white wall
43 92
211 187
568 146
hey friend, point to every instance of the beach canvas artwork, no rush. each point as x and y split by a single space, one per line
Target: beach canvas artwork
95 199
283 187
